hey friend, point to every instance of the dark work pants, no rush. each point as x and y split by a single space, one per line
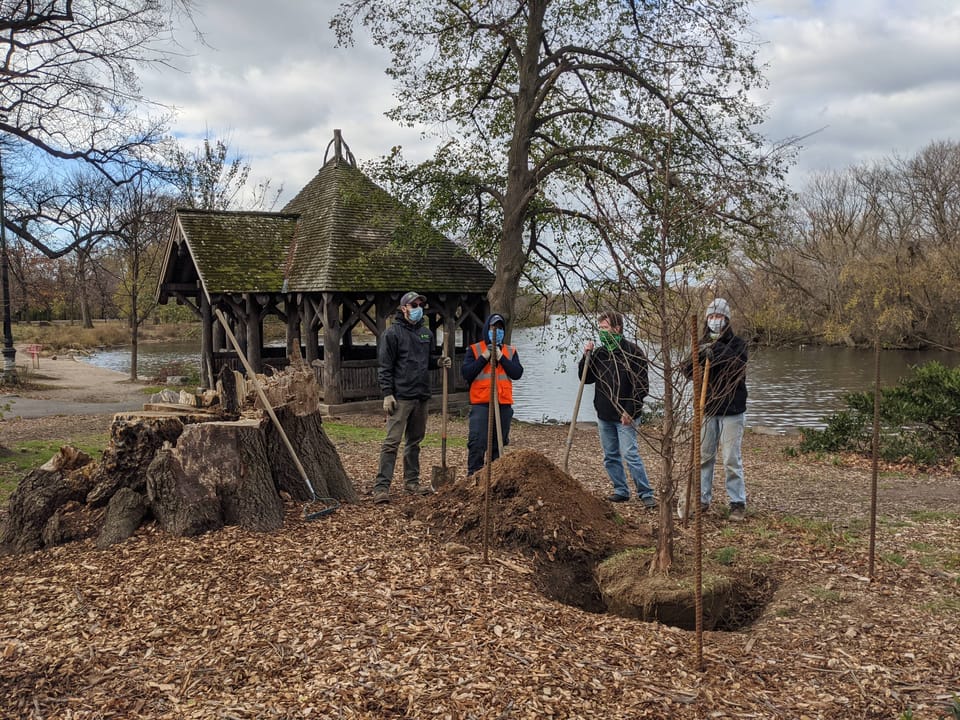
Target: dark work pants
409 422
477 434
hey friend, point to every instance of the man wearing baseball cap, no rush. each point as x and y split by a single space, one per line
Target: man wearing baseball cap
405 358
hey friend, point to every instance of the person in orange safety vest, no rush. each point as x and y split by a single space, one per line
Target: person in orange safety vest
477 372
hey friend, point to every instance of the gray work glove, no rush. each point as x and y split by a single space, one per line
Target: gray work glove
389 404
446 362
499 354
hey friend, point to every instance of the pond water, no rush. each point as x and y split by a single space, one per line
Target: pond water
787 387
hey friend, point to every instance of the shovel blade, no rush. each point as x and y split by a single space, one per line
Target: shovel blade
443 476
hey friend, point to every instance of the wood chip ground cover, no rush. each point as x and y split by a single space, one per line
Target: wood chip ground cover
375 613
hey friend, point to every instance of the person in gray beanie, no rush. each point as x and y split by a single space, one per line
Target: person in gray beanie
724 414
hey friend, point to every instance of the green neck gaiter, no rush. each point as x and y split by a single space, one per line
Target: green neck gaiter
610 340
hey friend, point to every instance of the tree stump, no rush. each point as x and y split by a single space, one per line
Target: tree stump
218 473
316 453
134 441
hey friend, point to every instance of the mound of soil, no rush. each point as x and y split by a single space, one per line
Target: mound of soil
534 507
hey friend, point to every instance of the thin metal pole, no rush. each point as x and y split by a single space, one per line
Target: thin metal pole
9 351
875 453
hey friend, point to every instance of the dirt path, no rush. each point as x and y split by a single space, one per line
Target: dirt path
65 385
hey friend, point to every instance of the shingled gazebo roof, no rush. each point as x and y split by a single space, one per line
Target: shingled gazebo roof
341 233
238 252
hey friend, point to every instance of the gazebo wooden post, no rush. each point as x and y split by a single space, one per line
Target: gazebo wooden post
219 336
312 341
293 325
254 334
206 344
332 389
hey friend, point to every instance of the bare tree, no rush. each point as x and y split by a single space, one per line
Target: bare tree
210 179
141 222
68 83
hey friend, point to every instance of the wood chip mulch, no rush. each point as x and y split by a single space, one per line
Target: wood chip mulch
382 612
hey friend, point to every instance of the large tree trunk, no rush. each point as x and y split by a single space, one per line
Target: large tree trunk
521 183
218 474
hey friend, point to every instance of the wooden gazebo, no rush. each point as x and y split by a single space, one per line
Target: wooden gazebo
332 266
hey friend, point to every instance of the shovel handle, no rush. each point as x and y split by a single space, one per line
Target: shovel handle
576 409
443 404
266 403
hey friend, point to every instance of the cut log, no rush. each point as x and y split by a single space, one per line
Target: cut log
218 474
316 453
39 495
124 514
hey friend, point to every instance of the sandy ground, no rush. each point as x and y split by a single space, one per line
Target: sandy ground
65 385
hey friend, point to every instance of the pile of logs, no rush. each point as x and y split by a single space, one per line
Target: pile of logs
193 466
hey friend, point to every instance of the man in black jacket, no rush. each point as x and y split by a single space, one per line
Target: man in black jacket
404 356
724 415
618 369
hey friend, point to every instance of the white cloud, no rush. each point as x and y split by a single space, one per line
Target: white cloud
869 77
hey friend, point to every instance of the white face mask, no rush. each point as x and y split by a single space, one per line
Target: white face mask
716 324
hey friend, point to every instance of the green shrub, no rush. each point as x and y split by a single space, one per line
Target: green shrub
919 420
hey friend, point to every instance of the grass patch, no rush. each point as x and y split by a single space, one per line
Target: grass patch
933 516
942 606
725 555
339 432
826 595
894 559
25 456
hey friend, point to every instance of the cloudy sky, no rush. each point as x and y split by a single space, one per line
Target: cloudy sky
865 79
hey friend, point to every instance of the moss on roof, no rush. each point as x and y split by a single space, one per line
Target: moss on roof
341 233
238 251
354 236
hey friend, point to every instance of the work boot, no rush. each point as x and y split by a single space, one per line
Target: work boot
381 497
418 489
618 498
649 502
738 511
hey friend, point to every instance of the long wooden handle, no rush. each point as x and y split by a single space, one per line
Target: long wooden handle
443 410
266 403
495 368
576 410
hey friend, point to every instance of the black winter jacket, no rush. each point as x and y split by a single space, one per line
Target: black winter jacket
727 382
405 360
621 380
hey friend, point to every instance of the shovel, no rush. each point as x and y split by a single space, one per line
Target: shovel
443 475
576 409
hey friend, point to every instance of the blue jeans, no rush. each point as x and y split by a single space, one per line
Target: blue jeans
410 420
477 434
727 430
619 443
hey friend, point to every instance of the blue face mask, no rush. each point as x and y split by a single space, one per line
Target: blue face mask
416 314
499 340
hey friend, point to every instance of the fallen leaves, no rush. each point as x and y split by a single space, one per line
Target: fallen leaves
368 613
